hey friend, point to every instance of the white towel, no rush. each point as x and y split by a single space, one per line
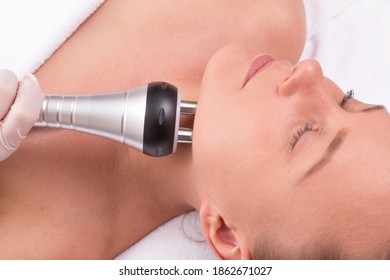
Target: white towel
31 30
179 239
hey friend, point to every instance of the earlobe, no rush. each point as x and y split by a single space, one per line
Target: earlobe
221 238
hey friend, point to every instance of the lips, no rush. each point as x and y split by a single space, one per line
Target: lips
259 64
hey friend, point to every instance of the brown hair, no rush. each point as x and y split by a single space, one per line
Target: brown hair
317 251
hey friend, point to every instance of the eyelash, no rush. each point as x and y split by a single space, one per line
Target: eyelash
309 127
349 95
299 132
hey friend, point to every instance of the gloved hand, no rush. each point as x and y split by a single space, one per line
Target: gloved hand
20 105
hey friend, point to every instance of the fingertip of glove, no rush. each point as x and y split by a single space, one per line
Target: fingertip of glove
31 77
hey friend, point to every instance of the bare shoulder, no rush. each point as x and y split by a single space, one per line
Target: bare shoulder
127 43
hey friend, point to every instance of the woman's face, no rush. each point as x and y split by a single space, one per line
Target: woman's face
288 160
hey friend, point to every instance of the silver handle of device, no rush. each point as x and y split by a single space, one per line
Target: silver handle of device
145 118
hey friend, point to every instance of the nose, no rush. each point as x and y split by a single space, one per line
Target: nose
307 82
305 77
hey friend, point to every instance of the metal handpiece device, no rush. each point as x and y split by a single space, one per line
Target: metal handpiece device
145 118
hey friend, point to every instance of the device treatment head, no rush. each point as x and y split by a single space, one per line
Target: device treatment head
185 134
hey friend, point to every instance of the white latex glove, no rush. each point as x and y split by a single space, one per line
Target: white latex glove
20 105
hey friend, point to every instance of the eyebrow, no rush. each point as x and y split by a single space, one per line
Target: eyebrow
330 150
374 108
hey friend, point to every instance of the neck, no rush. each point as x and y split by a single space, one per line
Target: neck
168 181
175 177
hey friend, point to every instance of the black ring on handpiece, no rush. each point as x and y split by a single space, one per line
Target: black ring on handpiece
160 119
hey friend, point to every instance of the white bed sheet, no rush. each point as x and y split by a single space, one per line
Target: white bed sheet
351 40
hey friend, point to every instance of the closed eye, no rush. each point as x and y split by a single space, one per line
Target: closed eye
351 94
348 96
310 127
299 133
374 108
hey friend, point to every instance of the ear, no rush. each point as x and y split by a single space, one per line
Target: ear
223 240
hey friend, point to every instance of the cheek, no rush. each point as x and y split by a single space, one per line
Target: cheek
234 155
240 135
215 136
333 89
